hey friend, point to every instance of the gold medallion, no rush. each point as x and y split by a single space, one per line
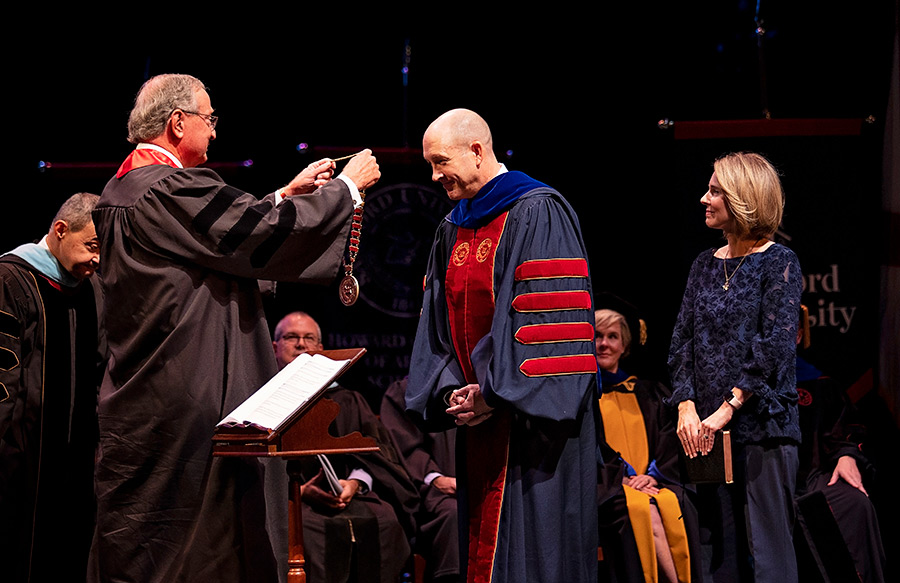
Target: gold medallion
348 291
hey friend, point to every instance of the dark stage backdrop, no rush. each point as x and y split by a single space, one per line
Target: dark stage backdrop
832 187
635 187
641 238
572 101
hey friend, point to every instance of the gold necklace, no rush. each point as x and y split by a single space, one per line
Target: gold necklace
741 262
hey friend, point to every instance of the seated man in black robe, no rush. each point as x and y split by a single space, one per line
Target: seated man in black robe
430 459
840 537
361 534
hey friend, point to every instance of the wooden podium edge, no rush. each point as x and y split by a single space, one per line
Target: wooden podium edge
304 433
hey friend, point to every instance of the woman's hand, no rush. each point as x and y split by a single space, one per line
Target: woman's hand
712 424
688 430
642 483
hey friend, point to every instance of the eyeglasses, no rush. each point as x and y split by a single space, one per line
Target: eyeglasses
211 120
294 338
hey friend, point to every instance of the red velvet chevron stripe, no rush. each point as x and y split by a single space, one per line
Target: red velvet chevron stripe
555 332
559 365
552 268
550 301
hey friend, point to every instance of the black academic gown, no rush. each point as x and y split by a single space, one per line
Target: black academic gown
51 354
368 541
616 534
182 252
437 536
830 432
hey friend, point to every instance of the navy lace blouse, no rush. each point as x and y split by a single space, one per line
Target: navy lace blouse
744 337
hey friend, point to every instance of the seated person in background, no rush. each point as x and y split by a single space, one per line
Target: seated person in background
361 535
637 424
832 464
431 461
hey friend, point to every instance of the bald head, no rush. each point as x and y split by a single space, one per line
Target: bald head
295 334
460 149
462 127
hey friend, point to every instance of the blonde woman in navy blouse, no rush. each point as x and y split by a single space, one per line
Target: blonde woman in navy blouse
732 365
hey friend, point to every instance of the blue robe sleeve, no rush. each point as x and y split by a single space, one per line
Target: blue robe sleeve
539 357
434 370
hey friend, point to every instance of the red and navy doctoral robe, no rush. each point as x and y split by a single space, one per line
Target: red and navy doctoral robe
508 306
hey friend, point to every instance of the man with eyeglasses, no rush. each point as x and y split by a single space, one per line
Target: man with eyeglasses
51 353
189 340
295 334
361 534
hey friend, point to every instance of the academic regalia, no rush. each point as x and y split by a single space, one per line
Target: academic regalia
426 455
182 252
371 536
840 527
51 352
637 424
508 306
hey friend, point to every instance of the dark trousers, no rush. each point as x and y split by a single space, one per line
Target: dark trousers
745 527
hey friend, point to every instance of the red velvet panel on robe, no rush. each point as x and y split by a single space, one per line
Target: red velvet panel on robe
522 330
470 299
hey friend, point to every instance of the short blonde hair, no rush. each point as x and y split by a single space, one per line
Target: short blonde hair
753 192
605 318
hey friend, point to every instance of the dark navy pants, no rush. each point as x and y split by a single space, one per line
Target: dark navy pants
746 527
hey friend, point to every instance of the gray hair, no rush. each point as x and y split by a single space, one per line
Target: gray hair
76 211
158 97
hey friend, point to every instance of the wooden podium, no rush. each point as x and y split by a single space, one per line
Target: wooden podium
304 433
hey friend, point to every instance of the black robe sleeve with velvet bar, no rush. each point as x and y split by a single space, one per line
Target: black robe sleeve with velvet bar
182 252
